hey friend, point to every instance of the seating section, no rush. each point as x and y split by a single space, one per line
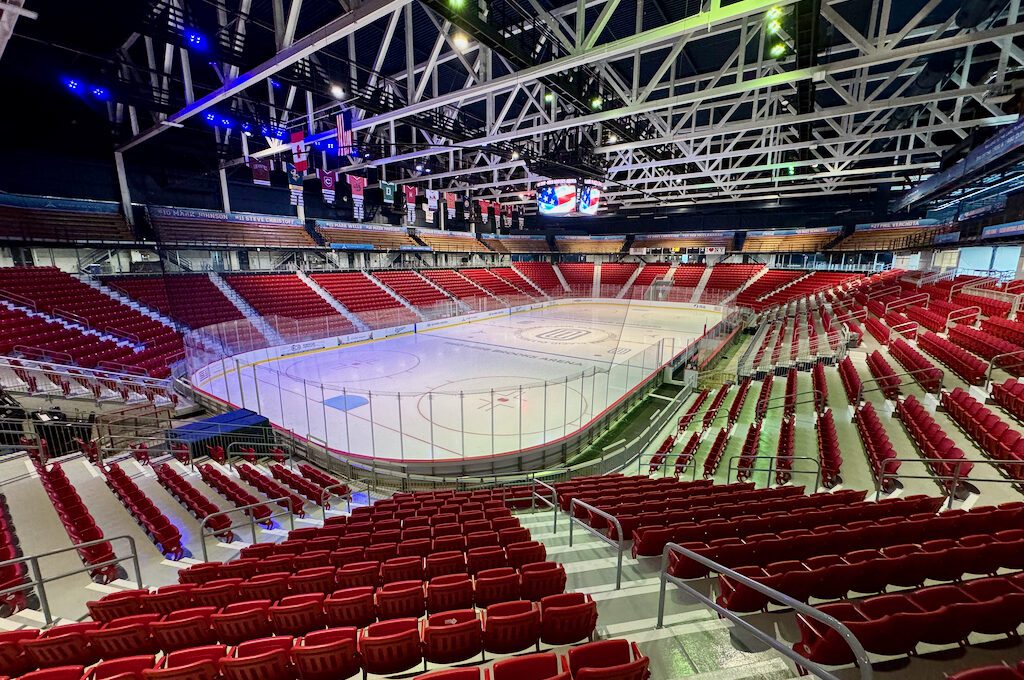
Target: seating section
271 489
1007 355
217 229
363 297
411 286
880 452
727 278
590 245
41 224
12 575
892 238
380 239
769 282
145 512
922 370
1013 331
191 299
649 274
932 441
688 275
684 241
542 275
234 492
885 378
616 273
578 275
194 501
59 294
288 296
960 361
829 455
1010 396
993 436
517 245
896 623
497 285
814 283
455 284
449 241
517 280
760 242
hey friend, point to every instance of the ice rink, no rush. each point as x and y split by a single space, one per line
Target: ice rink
471 389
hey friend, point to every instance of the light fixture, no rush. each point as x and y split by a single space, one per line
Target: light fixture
596 102
195 39
774 14
778 50
515 155
456 4
337 92
774 26
419 167
72 84
461 41
549 97
613 138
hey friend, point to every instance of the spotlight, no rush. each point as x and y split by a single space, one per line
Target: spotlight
613 138
774 26
264 130
456 4
427 171
73 84
337 92
226 122
774 14
419 167
461 41
195 39
101 93
274 83
515 155
596 103
210 117
549 97
778 50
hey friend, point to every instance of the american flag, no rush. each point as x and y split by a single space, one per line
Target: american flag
590 196
344 120
558 199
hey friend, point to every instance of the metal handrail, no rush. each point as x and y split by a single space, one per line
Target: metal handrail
910 326
891 290
251 524
771 468
619 545
229 454
961 314
860 394
326 493
907 302
992 364
551 503
863 660
39 583
956 478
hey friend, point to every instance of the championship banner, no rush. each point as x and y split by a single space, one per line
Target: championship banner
294 183
410 203
260 171
449 201
358 185
328 181
299 155
432 196
485 207
345 137
388 189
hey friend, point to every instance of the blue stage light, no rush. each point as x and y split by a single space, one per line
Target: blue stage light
195 39
227 122
72 84
274 83
101 93
211 117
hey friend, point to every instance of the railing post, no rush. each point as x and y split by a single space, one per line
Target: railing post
44 602
135 562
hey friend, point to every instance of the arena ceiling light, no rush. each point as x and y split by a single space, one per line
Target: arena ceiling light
461 41
337 91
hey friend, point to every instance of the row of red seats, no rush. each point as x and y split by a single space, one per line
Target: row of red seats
1005 329
789 400
384 647
856 332
271 489
989 307
650 540
12 575
1005 354
763 397
312 491
923 371
194 500
880 451
878 330
600 660
716 403
829 455
685 456
715 453
77 521
622 486
659 457
820 386
691 412
932 441
388 531
886 379
231 490
867 571
930 319
1010 395
896 623
960 361
993 436
902 324
407 505
851 380
987 673
145 512
430 513
322 479
784 450
751 444
758 550
738 400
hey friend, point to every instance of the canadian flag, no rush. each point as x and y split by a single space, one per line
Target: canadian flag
301 161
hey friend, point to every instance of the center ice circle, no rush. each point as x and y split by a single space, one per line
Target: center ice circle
563 335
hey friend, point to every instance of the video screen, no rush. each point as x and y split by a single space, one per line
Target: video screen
556 198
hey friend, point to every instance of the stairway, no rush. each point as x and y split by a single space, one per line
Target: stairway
629 282
258 322
129 302
330 299
561 279
746 285
595 286
670 275
405 303
784 287
533 285
701 285
462 305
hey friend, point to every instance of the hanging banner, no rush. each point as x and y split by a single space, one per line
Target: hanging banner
346 142
328 181
432 195
260 171
410 203
449 201
294 184
358 186
299 152
388 189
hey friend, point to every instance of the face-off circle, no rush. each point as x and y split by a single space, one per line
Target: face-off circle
563 335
